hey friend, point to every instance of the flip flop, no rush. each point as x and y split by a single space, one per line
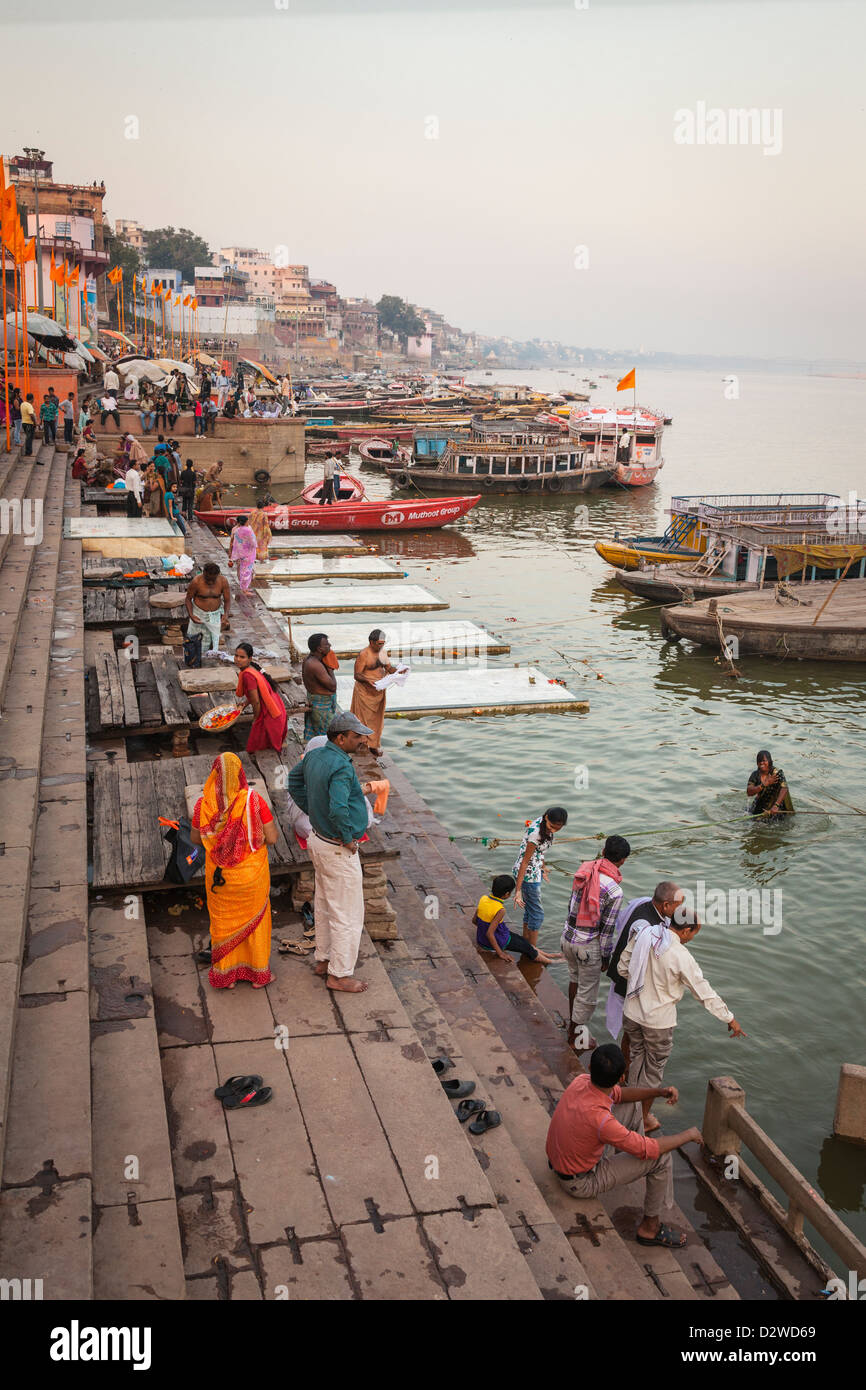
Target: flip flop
237 1083
664 1236
245 1100
488 1119
309 933
467 1108
307 914
457 1089
440 1064
204 956
294 948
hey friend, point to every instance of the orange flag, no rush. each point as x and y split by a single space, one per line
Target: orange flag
30 251
627 383
8 217
193 304
186 302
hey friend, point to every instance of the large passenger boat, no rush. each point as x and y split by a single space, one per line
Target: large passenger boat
529 457
627 441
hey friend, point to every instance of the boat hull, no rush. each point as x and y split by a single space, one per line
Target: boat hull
624 555
431 480
386 515
807 631
635 474
668 584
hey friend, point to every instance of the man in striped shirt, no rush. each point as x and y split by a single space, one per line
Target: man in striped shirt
589 934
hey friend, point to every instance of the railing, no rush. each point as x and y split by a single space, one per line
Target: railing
747 501
727 1126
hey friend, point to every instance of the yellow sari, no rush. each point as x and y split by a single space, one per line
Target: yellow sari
229 818
260 527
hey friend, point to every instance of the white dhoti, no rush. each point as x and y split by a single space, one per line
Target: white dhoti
338 904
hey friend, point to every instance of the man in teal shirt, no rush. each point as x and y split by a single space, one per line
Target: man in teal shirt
326 786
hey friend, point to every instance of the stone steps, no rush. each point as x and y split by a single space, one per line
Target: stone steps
486 1010
45 1206
26 480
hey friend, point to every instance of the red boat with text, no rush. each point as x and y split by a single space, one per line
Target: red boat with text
352 513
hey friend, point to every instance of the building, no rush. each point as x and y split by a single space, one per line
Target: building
130 232
360 323
215 285
66 240
68 203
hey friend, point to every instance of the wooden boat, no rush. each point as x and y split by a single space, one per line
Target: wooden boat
526 457
631 553
379 454
673 583
823 621
628 440
382 515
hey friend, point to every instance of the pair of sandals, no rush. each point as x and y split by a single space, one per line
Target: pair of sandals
301 948
484 1119
243 1093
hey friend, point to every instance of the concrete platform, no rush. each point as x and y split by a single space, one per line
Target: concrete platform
350 598
305 567
460 694
290 544
125 535
448 640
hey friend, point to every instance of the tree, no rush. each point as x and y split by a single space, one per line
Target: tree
398 316
167 249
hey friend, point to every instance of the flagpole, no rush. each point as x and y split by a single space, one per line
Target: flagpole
6 354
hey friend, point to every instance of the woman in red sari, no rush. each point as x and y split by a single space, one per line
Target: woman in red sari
256 689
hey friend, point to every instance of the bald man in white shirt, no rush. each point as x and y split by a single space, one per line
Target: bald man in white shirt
659 970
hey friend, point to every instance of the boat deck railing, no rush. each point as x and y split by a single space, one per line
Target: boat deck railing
791 535
755 501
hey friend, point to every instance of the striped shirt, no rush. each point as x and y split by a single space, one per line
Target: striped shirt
609 902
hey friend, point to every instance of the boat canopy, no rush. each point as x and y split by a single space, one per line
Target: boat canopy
641 419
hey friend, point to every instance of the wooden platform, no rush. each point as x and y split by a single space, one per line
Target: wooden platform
115 607
105 497
763 626
154 694
438 639
128 798
460 694
99 571
283 543
351 598
307 567
125 535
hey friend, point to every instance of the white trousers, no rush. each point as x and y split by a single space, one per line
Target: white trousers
338 904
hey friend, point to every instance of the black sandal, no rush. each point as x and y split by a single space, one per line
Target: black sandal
666 1236
205 956
237 1083
457 1089
467 1108
245 1100
488 1119
440 1064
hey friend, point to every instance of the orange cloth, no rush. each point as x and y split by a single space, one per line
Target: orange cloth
230 818
331 661
369 706
258 524
627 382
381 790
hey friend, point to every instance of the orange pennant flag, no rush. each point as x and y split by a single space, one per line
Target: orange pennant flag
29 251
186 302
193 304
72 275
627 383
177 301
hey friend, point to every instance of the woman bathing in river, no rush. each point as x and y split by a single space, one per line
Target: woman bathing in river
768 786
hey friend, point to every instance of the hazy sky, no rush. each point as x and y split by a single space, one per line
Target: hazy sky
308 126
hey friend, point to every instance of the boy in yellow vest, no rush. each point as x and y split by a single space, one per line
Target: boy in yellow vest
492 932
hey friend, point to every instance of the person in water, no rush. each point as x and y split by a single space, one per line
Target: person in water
768 786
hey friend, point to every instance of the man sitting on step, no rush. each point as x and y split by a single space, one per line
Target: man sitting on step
582 1125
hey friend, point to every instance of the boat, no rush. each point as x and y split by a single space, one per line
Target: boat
695 520
821 621
628 439
380 454
381 515
529 457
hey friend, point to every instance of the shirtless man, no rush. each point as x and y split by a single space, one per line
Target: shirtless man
320 683
212 483
208 599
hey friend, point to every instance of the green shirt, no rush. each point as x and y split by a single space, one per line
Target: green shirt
48 409
325 785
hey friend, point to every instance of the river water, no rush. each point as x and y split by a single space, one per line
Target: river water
670 739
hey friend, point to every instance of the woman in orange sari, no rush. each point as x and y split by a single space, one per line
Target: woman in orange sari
258 524
236 827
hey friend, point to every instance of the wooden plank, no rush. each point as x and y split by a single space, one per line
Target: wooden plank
140 808
131 716
108 870
110 695
149 703
125 604
142 605
225 678
175 704
272 770
169 780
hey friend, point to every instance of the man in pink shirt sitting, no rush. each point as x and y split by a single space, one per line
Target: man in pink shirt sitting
582 1125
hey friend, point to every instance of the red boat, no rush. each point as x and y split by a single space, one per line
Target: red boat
356 514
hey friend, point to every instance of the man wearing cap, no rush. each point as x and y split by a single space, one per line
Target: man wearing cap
325 785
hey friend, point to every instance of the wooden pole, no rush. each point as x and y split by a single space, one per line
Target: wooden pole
833 590
6 357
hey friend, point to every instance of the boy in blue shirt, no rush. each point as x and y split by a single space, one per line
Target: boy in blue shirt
492 932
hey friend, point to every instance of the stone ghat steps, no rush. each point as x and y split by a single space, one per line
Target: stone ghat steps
489 1018
356 1181
26 482
45 1204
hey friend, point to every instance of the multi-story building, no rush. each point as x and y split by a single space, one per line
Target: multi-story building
216 285
33 181
360 322
66 241
130 232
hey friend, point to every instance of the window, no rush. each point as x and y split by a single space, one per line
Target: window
530 465
62 228
464 465
497 466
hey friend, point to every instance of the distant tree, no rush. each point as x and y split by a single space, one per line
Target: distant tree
399 318
168 249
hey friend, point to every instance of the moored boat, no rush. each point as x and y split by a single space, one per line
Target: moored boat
822 621
380 454
525 456
627 440
381 515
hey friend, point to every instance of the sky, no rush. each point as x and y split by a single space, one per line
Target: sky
533 170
